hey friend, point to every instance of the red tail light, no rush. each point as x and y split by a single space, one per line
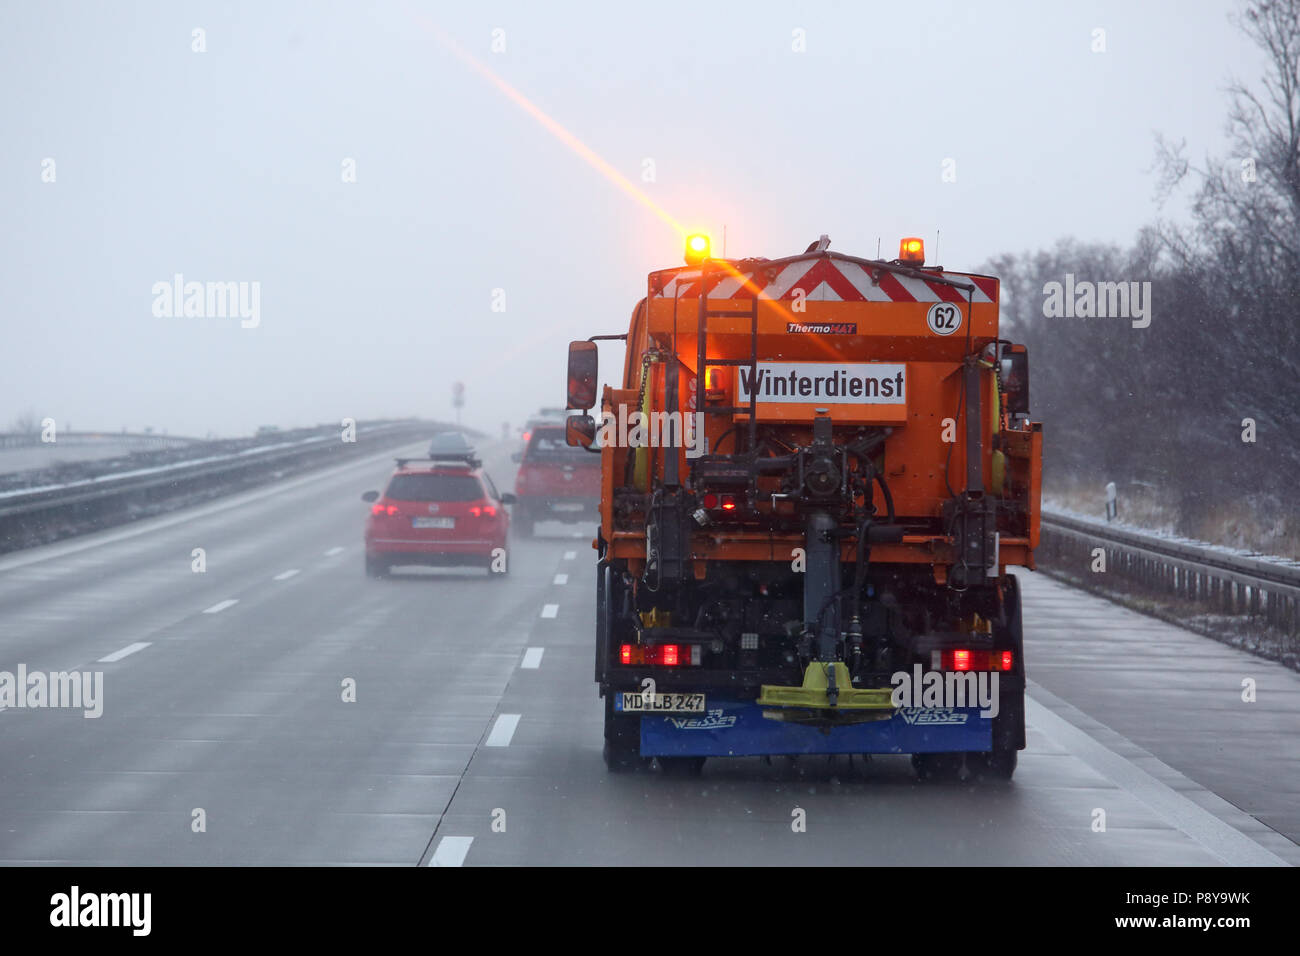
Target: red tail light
712 502
662 655
483 511
379 508
970 660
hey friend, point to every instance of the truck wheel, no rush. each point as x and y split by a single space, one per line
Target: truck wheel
938 767
376 567
622 740
681 766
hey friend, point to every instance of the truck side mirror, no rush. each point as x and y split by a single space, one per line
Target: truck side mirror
583 362
580 430
1015 378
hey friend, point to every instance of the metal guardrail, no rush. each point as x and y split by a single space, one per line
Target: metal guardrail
10 440
34 515
1226 582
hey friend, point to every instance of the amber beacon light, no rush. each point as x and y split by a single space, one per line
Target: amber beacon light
697 249
911 250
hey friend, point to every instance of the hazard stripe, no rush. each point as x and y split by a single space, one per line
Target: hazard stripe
894 289
946 293
986 284
827 280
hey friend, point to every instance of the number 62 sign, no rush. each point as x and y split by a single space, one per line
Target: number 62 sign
944 318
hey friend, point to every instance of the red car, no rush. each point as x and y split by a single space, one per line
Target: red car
556 481
437 511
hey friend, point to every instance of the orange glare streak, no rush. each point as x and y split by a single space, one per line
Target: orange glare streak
588 155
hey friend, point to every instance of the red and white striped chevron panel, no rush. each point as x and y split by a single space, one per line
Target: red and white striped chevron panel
826 280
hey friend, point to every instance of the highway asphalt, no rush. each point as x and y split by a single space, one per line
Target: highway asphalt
475 733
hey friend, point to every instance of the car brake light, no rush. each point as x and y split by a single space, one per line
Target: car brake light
383 509
625 653
668 655
728 502
483 511
1007 660
961 660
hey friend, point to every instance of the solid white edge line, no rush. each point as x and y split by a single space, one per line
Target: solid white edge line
503 730
124 652
533 658
451 851
221 606
550 610
1218 837
285 575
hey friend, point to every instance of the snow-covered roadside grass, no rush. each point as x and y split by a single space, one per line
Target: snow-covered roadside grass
1255 525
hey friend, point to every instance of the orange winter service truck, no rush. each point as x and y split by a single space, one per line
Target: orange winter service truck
815 474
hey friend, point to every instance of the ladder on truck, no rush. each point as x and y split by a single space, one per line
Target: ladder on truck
704 363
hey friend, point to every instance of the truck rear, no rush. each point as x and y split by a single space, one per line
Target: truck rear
815 473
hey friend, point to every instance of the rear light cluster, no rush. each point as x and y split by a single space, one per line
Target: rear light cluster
663 655
971 660
380 508
716 502
483 511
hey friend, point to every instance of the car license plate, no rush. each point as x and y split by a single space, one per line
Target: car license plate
567 506
433 522
636 702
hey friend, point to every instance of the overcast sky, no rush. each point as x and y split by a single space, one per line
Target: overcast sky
228 166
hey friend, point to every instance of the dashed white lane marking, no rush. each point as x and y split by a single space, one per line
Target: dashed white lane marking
1220 838
221 606
503 730
533 658
333 551
124 652
570 555
451 851
561 579
285 575
550 610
